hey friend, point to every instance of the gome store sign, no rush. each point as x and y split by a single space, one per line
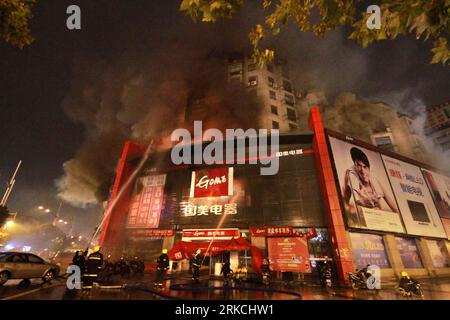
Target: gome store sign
212 183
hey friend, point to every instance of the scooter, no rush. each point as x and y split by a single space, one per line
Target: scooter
357 280
413 288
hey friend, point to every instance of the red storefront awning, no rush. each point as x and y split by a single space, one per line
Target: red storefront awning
185 250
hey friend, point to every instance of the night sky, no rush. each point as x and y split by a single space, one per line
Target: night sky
35 80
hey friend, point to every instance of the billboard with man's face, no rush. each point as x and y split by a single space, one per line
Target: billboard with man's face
414 199
368 199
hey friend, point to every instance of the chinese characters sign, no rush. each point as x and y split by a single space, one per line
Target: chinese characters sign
209 233
189 209
212 183
146 205
271 231
289 254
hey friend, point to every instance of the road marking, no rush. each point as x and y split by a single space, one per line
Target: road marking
30 292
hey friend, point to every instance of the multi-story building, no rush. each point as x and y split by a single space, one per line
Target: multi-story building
438 125
314 208
398 134
271 85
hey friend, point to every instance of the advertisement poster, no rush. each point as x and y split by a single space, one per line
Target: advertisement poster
212 183
409 253
414 199
289 254
439 186
438 253
367 196
147 202
369 249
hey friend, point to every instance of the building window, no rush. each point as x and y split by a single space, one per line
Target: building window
271 81
292 127
274 109
251 67
287 86
275 125
252 81
446 111
273 95
289 99
235 70
291 115
383 141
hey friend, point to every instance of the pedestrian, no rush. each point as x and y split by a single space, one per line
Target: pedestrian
162 264
93 266
226 271
197 260
79 260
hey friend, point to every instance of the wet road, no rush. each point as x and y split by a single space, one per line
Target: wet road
181 288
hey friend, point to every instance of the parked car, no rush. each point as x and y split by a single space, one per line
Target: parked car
19 265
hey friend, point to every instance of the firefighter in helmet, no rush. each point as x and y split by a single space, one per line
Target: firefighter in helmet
161 268
94 264
197 260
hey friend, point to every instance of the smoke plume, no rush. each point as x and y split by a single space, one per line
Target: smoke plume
144 92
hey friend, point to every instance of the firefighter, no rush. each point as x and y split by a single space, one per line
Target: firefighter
93 265
196 264
161 268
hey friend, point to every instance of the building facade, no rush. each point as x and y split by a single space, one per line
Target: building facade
438 125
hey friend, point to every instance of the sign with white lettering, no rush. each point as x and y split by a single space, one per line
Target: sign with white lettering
209 233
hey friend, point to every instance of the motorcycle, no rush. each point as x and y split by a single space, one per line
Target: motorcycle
412 288
358 280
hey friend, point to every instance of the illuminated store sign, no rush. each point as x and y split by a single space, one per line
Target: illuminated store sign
212 183
190 210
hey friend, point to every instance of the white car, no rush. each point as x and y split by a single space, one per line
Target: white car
19 265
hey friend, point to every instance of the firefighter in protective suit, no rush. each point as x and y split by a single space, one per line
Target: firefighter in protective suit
196 264
161 268
93 265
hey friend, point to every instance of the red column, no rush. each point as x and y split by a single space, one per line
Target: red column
112 235
342 254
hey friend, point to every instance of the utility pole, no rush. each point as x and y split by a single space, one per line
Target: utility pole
11 184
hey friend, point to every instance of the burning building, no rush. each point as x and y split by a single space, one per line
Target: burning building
333 196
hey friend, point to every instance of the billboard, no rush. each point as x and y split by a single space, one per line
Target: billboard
369 202
147 202
409 253
289 254
439 256
414 199
369 249
440 190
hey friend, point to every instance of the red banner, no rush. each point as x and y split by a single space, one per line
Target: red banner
271 231
209 233
212 183
289 254
281 232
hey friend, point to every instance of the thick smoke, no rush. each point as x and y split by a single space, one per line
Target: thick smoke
134 100
144 93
